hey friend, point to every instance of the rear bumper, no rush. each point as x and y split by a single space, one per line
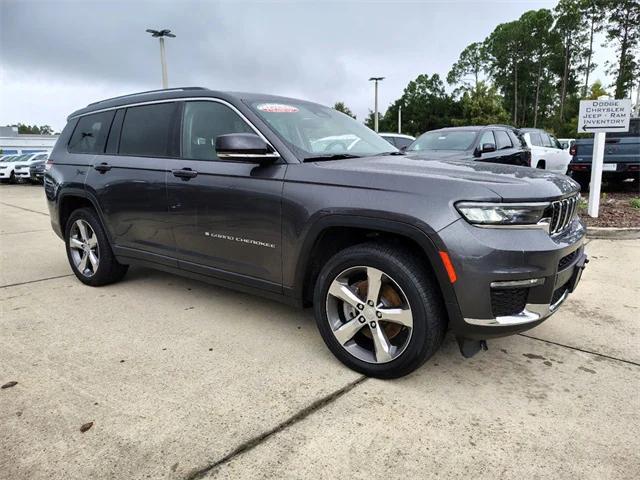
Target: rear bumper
627 169
511 280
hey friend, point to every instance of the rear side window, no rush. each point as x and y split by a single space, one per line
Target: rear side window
502 140
536 139
149 131
203 122
90 134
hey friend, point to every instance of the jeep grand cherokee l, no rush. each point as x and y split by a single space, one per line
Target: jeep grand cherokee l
235 189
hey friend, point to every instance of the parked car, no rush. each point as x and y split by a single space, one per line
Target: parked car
22 167
8 166
566 143
398 140
36 170
621 157
546 151
493 143
390 251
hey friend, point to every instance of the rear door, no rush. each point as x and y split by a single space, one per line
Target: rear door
226 215
129 180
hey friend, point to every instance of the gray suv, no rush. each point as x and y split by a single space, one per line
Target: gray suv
253 193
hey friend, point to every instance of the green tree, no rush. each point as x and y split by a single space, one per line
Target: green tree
341 107
597 91
34 129
623 29
481 106
594 11
472 61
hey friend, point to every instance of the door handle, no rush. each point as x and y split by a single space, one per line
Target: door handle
103 167
185 173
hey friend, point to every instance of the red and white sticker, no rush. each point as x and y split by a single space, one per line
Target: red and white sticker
276 108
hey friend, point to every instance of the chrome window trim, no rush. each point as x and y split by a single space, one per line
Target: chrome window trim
275 154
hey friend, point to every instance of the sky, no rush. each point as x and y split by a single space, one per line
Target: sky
58 56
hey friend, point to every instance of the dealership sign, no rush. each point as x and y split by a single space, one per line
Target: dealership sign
604 115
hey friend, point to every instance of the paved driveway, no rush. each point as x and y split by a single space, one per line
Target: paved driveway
185 380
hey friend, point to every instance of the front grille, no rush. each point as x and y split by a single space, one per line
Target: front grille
508 301
567 260
562 213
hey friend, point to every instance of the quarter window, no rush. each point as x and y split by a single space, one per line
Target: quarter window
90 133
203 123
148 131
502 140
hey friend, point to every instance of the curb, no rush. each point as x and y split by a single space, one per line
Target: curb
614 233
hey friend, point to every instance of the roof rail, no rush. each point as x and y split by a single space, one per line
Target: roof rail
179 89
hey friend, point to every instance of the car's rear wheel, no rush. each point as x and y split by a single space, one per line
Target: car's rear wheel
378 310
88 250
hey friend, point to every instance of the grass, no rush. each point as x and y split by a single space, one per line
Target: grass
635 202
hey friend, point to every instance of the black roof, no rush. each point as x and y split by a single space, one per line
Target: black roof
177 93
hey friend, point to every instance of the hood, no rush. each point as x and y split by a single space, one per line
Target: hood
509 182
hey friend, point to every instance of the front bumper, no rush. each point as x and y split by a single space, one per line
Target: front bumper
497 264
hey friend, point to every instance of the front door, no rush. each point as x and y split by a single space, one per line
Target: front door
226 215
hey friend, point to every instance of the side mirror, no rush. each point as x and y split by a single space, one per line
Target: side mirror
488 147
244 147
404 148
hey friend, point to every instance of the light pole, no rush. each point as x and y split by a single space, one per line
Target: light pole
160 34
375 114
399 118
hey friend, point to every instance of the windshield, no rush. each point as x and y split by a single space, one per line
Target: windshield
311 130
444 140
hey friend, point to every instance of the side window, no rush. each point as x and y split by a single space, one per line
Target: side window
555 142
402 142
536 139
90 133
546 141
202 122
502 140
516 140
114 133
487 137
149 131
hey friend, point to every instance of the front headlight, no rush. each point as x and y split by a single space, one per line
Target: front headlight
505 214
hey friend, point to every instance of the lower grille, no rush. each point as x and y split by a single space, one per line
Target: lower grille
567 260
508 301
558 293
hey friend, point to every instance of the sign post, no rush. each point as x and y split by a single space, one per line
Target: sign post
601 116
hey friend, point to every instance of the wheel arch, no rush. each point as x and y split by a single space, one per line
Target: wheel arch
73 199
333 233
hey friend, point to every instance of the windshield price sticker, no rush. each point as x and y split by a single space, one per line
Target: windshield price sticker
276 108
604 115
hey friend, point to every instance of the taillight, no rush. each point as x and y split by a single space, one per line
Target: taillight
48 165
573 150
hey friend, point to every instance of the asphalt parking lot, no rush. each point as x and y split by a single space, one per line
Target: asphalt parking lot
186 380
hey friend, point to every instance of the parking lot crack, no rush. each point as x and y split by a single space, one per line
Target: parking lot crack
25 209
257 440
630 362
35 281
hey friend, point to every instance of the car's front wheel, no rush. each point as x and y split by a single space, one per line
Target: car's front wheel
378 310
88 250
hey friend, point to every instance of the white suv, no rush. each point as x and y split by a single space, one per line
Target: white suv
546 151
22 167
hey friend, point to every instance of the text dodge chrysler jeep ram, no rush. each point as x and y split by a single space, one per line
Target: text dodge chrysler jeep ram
246 191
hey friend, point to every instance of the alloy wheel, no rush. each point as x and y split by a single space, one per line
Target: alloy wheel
85 251
369 314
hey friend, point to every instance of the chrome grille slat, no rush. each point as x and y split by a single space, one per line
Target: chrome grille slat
563 212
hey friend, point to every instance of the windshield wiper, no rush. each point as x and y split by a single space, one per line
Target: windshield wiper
335 156
397 152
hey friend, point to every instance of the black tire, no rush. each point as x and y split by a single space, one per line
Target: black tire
422 294
108 270
12 178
